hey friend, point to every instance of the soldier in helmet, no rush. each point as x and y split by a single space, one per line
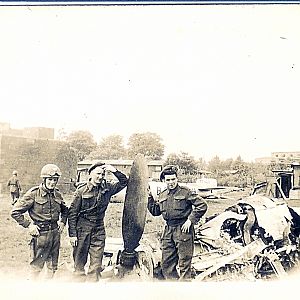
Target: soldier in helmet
48 216
85 219
181 209
14 187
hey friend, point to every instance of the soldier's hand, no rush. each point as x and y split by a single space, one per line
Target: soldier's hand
33 230
109 168
74 241
185 228
149 191
61 227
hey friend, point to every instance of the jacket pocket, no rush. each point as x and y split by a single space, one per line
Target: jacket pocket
41 200
184 237
87 201
179 203
41 241
42 205
162 204
56 203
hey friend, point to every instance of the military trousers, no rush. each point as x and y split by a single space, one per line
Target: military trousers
177 251
45 249
91 241
14 197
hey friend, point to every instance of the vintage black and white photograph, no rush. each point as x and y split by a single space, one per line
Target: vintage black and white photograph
149 145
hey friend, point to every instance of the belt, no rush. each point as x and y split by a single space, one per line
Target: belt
176 222
47 226
95 222
88 217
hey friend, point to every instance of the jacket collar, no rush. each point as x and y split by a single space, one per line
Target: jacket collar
45 191
101 187
90 186
174 191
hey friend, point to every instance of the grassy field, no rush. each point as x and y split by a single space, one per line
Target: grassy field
14 248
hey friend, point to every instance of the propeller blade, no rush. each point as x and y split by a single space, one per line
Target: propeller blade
135 204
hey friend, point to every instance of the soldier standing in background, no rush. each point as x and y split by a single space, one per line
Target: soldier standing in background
14 187
181 209
46 207
85 219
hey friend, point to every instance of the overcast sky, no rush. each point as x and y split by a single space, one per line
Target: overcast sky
210 80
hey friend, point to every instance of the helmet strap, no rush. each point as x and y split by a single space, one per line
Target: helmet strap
44 183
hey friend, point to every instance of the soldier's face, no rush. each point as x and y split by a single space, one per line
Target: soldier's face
97 175
51 182
171 181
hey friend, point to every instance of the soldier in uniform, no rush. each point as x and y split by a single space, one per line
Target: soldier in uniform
85 219
181 209
48 214
14 187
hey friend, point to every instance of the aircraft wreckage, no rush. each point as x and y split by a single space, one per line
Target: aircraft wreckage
256 238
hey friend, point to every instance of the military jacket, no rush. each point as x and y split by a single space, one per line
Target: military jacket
178 205
43 206
90 202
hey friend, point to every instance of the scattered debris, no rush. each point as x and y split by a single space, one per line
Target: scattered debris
257 235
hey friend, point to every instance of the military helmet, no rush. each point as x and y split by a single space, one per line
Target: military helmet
168 170
50 170
15 172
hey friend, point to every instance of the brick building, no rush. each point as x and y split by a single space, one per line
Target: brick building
28 150
28 132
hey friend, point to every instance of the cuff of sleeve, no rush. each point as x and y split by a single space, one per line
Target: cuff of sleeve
63 220
26 223
193 220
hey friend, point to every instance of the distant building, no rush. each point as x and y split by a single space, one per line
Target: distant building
280 157
4 126
264 160
27 132
39 133
286 156
285 184
27 150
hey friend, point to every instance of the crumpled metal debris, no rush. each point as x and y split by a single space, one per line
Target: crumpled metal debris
256 235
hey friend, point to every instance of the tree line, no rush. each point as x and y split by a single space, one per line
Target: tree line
229 172
112 146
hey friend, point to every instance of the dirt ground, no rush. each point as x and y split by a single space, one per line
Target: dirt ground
14 248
